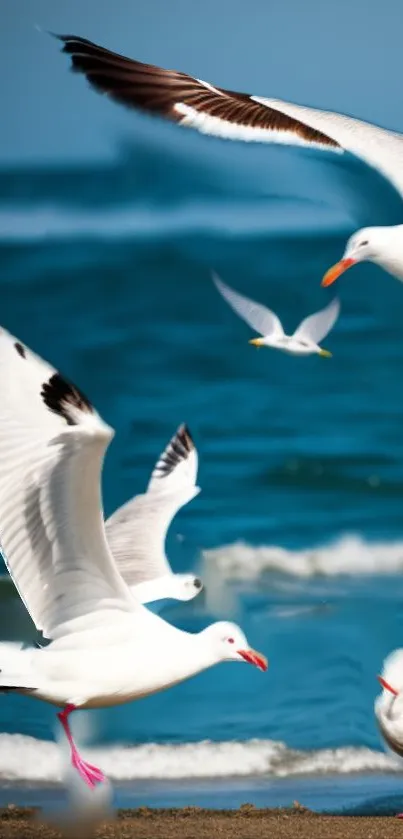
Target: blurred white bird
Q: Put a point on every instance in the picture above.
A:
(306, 338)
(389, 705)
(136, 532)
(213, 110)
(106, 648)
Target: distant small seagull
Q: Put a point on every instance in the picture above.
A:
(105, 648)
(389, 705)
(231, 115)
(136, 532)
(304, 341)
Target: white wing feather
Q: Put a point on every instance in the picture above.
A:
(137, 531)
(52, 445)
(380, 148)
(259, 317)
(318, 325)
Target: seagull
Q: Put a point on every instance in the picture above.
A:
(306, 338)
(389, 705)
(105, 648)
(136, 532)
(230, 115)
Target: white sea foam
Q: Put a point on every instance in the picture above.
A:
(53, 222)
(27, 760)
(349, 555)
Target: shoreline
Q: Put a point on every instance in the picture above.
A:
(248, 822)
(353, 795)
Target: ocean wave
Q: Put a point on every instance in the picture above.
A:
(24, 759)
(349, 555)
(245, 219)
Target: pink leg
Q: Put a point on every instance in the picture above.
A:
(90, 774)
(399, 815)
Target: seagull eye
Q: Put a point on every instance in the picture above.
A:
(364, 243)
(231, 640)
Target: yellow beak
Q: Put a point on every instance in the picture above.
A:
(257, 342)
(334, 272)
(325, 353)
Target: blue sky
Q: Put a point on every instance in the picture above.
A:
(344, 56)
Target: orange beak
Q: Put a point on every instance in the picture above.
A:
(387, 686)
(334, 272)
(253, 657)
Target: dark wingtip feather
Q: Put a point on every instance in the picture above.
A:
(65, 399)
(162, 92)
(51, 34)
(179, 448)
(184, 436)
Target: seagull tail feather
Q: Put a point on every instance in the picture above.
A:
(15, 668)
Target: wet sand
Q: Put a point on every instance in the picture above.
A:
(196, 823)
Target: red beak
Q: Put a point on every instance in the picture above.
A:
(252, 657)
(387, 686)
(335, 271)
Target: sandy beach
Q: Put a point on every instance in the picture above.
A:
(194, 823)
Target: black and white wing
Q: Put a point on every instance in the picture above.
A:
(52, 536)
(225, 113)
(176, 468)
(137, 531)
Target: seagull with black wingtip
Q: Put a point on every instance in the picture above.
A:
(216, 111)
(105, 648)
(136, 532)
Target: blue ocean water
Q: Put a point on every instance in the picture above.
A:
(106, 273)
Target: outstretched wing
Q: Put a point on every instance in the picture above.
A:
(259, 317)
(136, 532)
(318, 325)
(52, 445)
(225, 113)
(176, 467)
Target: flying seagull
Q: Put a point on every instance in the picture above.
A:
(225, 113)
(136, 532)
(105, 648)
(306, 338)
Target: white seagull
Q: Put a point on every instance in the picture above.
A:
(306, 338)
(389, 705)
(224, 113)
(136, 532)
(106, 648)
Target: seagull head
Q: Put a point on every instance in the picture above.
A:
(370, 244)
(268, 341)
(187, 586)
(230, 644)
(258, 342)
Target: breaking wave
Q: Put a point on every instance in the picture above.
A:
(25, 759)
(349, 555)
